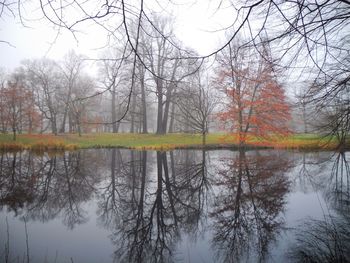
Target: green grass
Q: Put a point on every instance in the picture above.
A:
(144, 141)
(156, 142)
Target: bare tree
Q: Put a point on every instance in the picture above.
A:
(80, 108)
(142, 82)
(114, 71)
(331, 100)
(196, 103)
(44, 76)
(71, 68)
(157, 51)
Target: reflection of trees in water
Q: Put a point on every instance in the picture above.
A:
(190, 179)
(313, 173)
(113, 189)
(43, 187)
(251, 195)
(324, 240)
(338, 192)
(328, 174)
(145, 211)
(327, 240)
(15, 182)
(147, 199)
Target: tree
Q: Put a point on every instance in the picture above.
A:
(115, 77)
(162, 58)
(256, 101)
(157, 52)
(16, 107)
(45, 77)
(71, 70)
(3, 120)
(331, 102)
(195, 103)
(80, 108)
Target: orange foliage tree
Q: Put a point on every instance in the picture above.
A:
(255, 100)
(17, 108)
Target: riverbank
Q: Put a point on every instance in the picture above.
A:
(44, 142)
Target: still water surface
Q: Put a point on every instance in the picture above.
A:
(111, 205)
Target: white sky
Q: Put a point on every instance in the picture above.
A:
(195, 23)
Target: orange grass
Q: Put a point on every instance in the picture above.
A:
(293, 141)
(37, 142)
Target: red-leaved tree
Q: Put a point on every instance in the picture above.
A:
(17, 108)
(256, 104)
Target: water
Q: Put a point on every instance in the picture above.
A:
(111, 205)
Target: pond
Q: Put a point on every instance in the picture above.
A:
(113, 205)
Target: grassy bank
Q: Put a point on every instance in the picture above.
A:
(156, 142)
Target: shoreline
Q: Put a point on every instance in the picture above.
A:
(71, 142)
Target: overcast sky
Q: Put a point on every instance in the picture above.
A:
(194, 26)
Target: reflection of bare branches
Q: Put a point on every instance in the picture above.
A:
(327, 240)
(64, 190)
(310, 166)
(339, 184)
(335, 185)
(15, 183)
(151, 210)
(323, 241)
(27, 238)
(252, 190)
(147, 228)
(43, 187)
(109, 207)
(7, 244)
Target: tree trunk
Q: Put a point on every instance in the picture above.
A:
(172, 118)
(166, 112)
(304, 118)
(41, 123)
(79, 128)
(114, 114)
(166, 109)
(66, 109)
(63, 126)
(144, 107)
(132, 112)
(160, 108)
(70, 122)
(54, 125)
(14, 134)
(30, 124)
(20, 119)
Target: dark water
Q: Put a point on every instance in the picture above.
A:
(180, 206)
